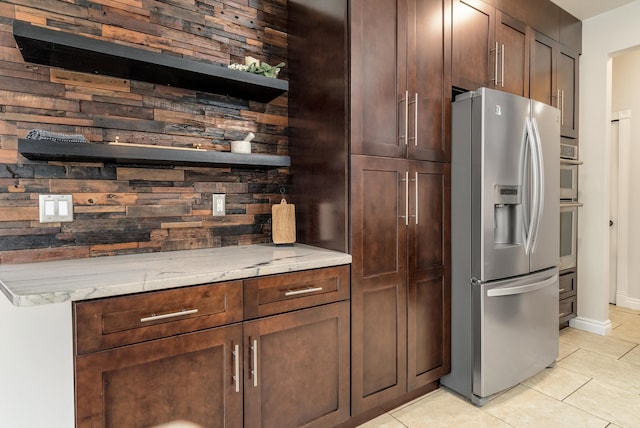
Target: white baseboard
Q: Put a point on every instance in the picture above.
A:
(627, 302)
(592, 326)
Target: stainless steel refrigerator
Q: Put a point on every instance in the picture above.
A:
(505, 241)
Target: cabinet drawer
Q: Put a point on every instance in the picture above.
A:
(567, 285)
(567, 309)
(282, 293)
(117, 321)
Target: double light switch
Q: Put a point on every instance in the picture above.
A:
(56, 208)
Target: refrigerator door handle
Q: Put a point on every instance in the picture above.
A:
(540, 202)
(530, 141)
(521, 289)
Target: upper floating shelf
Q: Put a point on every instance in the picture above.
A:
(145, 155)
(66, 50)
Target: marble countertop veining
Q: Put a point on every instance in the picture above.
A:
(41, 283)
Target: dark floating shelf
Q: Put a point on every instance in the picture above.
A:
(66, 50)
(149, 155)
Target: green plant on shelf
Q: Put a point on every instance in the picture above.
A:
(262, 69)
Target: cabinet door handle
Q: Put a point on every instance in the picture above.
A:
(254, 357)
(415, 125)
(406, 118)
(502, 65)
(236, 367)
(180, 313)
(306, 290)
(562, 107)
(406, 198)
(495, 65)
(417, 198)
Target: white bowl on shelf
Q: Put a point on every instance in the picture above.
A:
(243, 147)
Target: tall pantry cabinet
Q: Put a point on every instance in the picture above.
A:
(369, 122)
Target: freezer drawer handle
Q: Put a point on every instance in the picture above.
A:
(521, 289)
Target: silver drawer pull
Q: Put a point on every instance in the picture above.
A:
(305, 291)
(561, 290)
(254, 372)
(236, 367)
(561, 315)
(170, 315)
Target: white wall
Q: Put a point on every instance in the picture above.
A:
(602, 37)
(625, 90)
(36, 366)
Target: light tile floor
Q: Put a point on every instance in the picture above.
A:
(595, 383)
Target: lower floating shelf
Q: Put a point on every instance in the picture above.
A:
(146, 155)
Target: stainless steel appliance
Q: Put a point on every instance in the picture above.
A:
(568, 234)
(505, 246)
(569, 172)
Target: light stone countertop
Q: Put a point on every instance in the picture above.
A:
(41, 283)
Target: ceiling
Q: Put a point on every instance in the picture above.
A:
(585, 9)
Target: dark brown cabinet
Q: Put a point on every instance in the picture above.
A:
(568, 297)
(543, 70)
(370, 174)
(554, 80)
(567, 78)
(156, 357)
(490, 49)
(297, 373)
(185, 354)
(181, 378)
(400, 277)
(398, 101)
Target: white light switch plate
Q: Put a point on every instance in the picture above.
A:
(56, 208)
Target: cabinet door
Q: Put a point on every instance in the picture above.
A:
(379, 105)
(568, 88)
(429, 286)
(473, 45)
(297, 368)
(513, 55)
(378, 280)
(428, 99)
(542, 72)
(189, 377)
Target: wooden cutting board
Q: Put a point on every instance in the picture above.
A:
(283, 220)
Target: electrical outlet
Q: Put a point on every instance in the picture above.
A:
(219, 204)
(55, 208)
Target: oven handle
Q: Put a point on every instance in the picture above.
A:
(571, 204)
(570, 162)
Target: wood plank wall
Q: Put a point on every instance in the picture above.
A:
(118, 209)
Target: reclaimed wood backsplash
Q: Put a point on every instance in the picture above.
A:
(131, 209)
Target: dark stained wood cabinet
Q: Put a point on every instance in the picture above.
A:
(428, 276)
(568, 78)
(543, 70)
(513, 55)
(400, 277)
(157, 357)
(379, 204)
(181, 378)
(490, 49)
(568, 297)
(554, 80)
(473, 44)
(297, 373)
(359, 141)
(398, 101)
(186, 355)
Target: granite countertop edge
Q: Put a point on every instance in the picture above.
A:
(40, 283)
